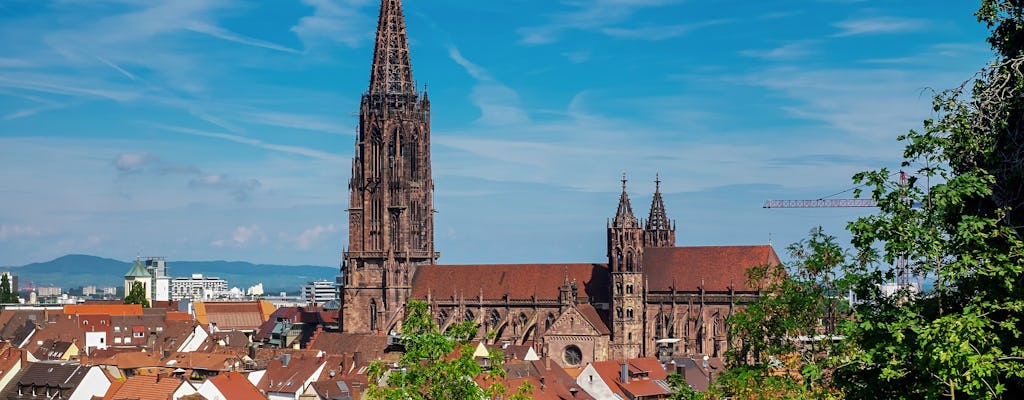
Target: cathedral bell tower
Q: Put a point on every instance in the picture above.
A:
(391, 205)
(625, 259)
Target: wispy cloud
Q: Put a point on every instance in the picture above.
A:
(295, 150)
(144, 162)
(225, 34)
(660, 32)
(878, 26)
(787, 51)
(18, 231)
(341, 21)
(498, 104)
(307, 122)
(242, 236)
(311, 236)
(595, 15)
(241, 190)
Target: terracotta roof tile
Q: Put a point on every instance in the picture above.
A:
(716, 267)
(104, 309)
(370, 347)
(288, 372)
(644, 377)
(141, 387)
(235, 386)
(519, 281)
(590, 313)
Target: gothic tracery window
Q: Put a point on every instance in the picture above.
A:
(549, 321)
(469, 315)
(572, 355)
(495, 318)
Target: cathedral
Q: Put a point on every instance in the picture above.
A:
(648, 298)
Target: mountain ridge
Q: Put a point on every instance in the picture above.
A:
(75, 270)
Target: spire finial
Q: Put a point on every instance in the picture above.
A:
(624, 181)
(657, 182)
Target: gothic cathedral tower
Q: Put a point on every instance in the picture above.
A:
(625, 259)
(391, 209)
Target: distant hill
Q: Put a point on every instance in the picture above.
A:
(76, 270)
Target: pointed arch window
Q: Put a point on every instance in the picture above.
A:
(618, 259)
(629, 261)
(522, 319)
(618, 312)
(442, 317)
(494, 318)
(618, 288)
(629, 313)
(549, 321)
(373, 315)
(469, 315)
(629, 289)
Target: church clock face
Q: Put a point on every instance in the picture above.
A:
(573, 355)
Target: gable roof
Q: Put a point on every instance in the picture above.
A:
(646, 377)
(289, 372)
(137, 271)
(62, 375)
(103, 309)
(234, 315)
(571, 321)
(518, 281)
(717, 268)
(235, 386)
(145, 387)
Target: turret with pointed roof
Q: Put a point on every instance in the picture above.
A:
(659, 230)
(137, 271)
(391, 205)
(624, 217)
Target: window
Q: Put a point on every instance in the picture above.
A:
(618, 288)
(629, 289)
(137, 334)
(629, 313)
(85, 322)
(117, 329)
(117, 340)
(373, 315)
(618, 312)
(572, 355)
(103, 322)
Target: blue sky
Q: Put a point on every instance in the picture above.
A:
(223, 129)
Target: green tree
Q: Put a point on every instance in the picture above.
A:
(7, 295)
(137, 295)
(962, 338)
(435, 365)
(781, 341)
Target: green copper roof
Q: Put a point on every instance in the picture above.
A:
(137, 271)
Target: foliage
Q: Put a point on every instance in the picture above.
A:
(435, 365)
(137, 295)
(780, 341)
(963, 337)
(681, 390)
(7, 294)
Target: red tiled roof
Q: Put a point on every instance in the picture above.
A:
(716, 267)
(643, 374)
(590, 313)
(289, 378)
(235, 386)
(141, 387)
(519, 281)
(370, 347)
(104, 309)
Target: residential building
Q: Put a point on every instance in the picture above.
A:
(198, 287)
(49, 291)
(13, 278)
(320, 292)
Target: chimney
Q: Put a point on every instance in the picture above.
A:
(357, 357)
(624, 374)
(284, 360)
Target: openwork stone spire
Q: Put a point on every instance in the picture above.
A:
(392, 71)
(624, 217)
(659, 230)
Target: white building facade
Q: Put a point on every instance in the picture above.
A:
(198, 287)
(320, 292)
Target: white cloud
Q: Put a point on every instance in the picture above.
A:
(787, 51)
(309, 237)
(660, 32)
(296, 150)
(225, 34)
(18, 231)
(242, 236)
(878, 25)
(334, 21)
(498, 104)
(588, 15)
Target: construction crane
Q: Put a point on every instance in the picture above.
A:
(903, 272)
